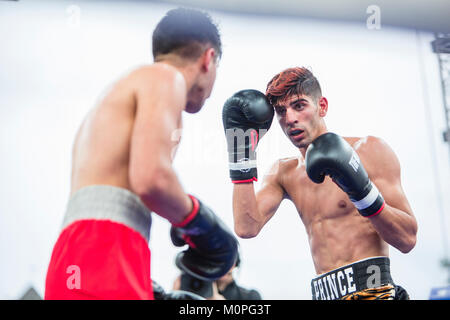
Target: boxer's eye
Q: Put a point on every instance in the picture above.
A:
(299, 106)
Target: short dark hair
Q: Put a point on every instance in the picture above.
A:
(298, 80)
(185, 32)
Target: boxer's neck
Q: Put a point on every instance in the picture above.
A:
(188, 68)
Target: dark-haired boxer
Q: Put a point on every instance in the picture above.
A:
(122, 170)
(347, 191)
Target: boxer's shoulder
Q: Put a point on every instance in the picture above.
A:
(370, 146)
(286, 166)
(365, 143)
(158, 75)
(159, 84)
(290, 162)
(376, 154)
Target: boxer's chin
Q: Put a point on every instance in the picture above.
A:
(192, 107)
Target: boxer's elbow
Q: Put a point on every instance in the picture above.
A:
(245, 234)
(245, 231)
(407, 241)
(150, 183)
(410, 239)
(408, 244)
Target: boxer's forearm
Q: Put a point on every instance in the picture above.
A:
(245, 210)
(396, 227)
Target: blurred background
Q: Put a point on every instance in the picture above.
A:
(375, 62)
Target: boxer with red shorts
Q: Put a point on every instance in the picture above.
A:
(122, 171)
(346, 190)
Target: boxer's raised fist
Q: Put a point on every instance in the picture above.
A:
(246, 116)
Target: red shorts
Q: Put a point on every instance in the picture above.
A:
(102, 251)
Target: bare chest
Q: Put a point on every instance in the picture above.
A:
(316, 201)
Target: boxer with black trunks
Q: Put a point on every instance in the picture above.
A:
(122, 170)
(347, 191)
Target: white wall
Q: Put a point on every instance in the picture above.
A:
(54, 67)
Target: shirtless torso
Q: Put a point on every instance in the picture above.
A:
(354, 217)
(128, 140)
(122, 171)
(109, 127)
(337, 233)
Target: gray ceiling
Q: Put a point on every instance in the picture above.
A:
(431, 15)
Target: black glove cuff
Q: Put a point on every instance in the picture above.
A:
(372, 203)
(244, 175)
(373, 209)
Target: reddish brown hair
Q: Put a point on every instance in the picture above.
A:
(298, 80)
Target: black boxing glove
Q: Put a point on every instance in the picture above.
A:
(160, 294)
(329, 154)
(212, 248)
(158, 291)
(246, 116)
(182, 295)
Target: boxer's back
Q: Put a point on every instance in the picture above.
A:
(100, 153)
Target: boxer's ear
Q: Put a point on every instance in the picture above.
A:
(208, 59)
(323, 106)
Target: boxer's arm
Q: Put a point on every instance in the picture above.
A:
(252, 211)
(396, 223)
(158, 113)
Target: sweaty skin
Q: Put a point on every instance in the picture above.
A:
(338, 235)
(128, 139)
(108, 128)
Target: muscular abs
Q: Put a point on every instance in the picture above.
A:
(337, 233)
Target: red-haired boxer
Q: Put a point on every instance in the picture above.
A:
(347, 191)
(122, 170)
